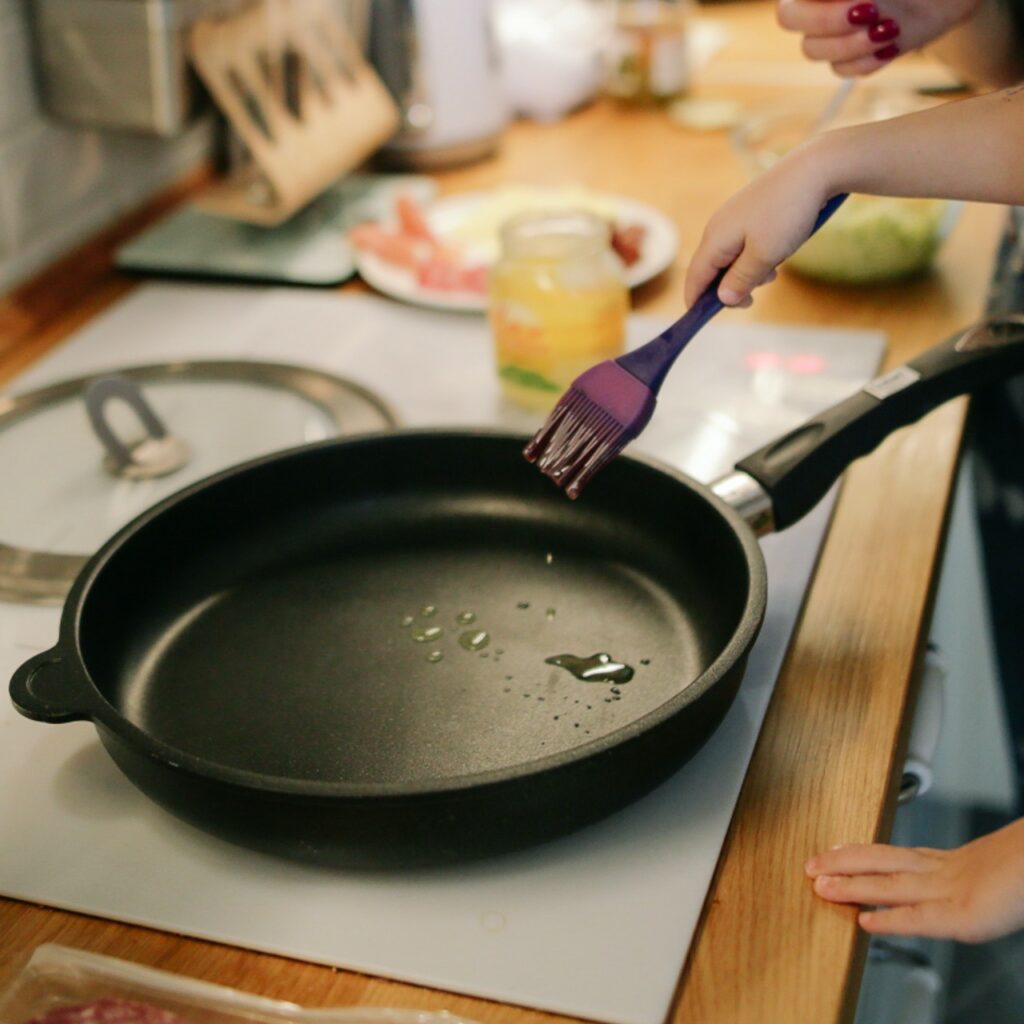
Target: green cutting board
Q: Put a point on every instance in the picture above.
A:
(308, 249)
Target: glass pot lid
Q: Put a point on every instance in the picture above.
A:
(67, 489)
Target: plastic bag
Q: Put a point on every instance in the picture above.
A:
(69, 986)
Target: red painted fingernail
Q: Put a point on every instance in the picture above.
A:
(862, 14)
(887, 52)
(885, 30)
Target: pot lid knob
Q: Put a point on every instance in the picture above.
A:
(157, 454)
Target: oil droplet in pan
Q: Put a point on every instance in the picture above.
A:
(474, 639)
(424, 634)
(435, 656)
(465, 618)
(550, 615)
(407, 620)
(428, 610)
(598, 668)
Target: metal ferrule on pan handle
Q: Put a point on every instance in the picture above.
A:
(746, 496)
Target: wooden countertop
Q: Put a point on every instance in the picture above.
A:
(827, 763)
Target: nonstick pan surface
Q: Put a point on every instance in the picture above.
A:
(249, 649)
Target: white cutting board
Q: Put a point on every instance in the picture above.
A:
(596, 925)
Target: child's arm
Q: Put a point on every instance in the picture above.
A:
(972, 150)
(973, 893)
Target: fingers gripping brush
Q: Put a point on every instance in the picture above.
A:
(609, 405)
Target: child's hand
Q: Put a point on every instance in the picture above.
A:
(973, 893)
(857, 36)
(761, 225)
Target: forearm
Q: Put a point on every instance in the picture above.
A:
(971, 149)
(988, 48)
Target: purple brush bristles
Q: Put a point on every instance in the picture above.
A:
(603, 411)
(609, 404)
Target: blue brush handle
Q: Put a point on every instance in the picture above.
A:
(651, 362)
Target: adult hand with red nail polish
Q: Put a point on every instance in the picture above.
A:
(858, 37)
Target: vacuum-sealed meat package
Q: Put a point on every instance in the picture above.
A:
(60, 985)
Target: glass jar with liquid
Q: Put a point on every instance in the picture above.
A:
(648, 57)
(558, 304)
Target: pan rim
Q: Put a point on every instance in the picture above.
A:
(105, 714)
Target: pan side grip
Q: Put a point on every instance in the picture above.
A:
(48, 689)
(797, 469)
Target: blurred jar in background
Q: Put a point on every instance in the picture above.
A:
(558, 304)
(648, 58)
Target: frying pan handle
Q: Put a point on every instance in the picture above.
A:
(48, 689)
(797, 470)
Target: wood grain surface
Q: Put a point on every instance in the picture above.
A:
(828, 759)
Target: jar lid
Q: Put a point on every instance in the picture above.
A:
(555, 235)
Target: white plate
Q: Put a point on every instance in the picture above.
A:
(661, 242)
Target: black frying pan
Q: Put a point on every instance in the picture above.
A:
(245, 652)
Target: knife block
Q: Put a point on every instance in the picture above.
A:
(298, 92)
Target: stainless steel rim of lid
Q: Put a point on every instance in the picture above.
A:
(42, 577)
